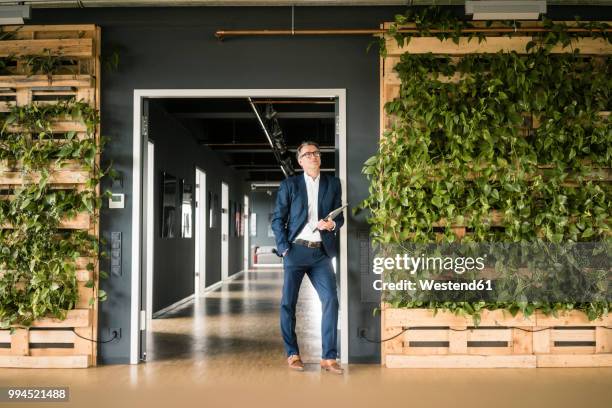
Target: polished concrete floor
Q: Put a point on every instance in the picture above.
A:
(224, 349)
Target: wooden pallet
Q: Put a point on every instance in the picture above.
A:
(444, 340)
(49, 342)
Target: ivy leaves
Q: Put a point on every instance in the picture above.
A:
(37, 257)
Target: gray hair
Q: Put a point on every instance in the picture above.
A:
(304, 144)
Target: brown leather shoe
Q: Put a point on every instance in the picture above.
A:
(295, 363)
(332, 366)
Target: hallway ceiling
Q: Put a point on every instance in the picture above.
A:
(170, 3)
(230, 128)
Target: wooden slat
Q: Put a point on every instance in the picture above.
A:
(82, 346)
(603, 340)
(22, 29)
(24, 81)
(426, 45)
(522, 342)
(573, 318)
(5, 336)
(572, 335)
(80, 47)
(541, 341)
(573, 350)
(460, 361)
(80, 222)
(457, 339)
(82, 262)
(44, 361)
(489, 335)
(19, 342)
(426, 335)
(490, 351)
(84, 295)
(426, 318)
(41, 352)
(60, 126)
(56, 177)
(576, 360)
(51, 336)
(423, 351)
(74, 318)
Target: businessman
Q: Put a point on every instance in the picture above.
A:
(307, 243)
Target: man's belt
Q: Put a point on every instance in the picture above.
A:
(309, 244)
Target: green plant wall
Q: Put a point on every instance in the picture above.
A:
(37, 257)
(518, 135)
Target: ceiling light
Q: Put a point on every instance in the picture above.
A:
(14, 14)
(505, 10)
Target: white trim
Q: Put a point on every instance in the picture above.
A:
(150, 230)
(258, 265)
(173, 306)
(139, 94)
(211, 288)
(234, 276)
(225, 229)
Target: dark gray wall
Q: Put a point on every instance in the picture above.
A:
(177, 153)
(176, 48)
(262, 204)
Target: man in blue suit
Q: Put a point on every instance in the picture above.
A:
(307, 244)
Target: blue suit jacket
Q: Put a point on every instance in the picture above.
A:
(291, 212)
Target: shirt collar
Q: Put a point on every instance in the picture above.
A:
(310, 179)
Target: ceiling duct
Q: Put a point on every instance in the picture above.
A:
(505, 10)
(14, 14)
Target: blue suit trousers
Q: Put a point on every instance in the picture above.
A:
(300, 261)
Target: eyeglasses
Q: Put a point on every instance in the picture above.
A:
(311, 154)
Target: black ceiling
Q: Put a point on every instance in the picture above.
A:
(229, 126)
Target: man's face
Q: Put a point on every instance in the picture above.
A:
(310, 159)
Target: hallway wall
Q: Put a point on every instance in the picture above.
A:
(177, 153)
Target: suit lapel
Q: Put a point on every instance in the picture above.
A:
(303, 193)
(322, 191)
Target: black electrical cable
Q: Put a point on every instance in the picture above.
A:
(405, 329)
(96, 341)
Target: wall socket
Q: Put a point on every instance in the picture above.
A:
(362, 332)
(113, 330)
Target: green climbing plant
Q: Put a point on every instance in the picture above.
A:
(461, 150)
(37, 257)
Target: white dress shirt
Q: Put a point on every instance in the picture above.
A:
(312, 187)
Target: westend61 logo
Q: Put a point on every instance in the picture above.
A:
(412, 264)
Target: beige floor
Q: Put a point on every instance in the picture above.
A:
(225, 350)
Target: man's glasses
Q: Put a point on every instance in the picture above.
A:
(311, 154)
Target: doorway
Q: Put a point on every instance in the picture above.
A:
(139, 212)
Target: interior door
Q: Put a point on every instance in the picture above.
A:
(224, 231)
(200, 232)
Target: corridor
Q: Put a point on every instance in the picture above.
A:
(237, 324)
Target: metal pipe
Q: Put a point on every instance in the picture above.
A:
(245, 33)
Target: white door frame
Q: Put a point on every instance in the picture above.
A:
(150, 228)
(137, 210)
(225, 230)
(201, 227)
(245, 230)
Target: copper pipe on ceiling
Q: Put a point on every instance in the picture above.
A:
(248, 33)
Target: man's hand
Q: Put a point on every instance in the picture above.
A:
(329, 225)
